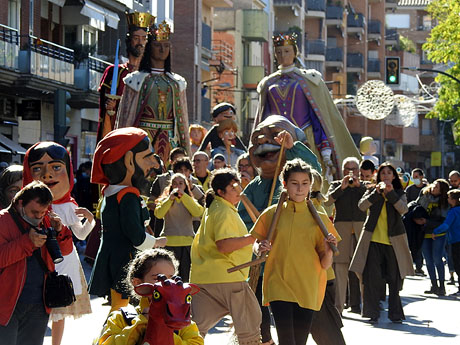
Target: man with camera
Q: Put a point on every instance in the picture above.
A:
(23, 315)
(348, 221)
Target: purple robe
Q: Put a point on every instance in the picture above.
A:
(285, 97)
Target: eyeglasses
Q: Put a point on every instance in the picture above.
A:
(352, 169)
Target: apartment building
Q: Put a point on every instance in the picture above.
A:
(241, 44)
(52, 56)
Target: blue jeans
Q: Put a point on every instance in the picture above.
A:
(433, 251)
(27, 325)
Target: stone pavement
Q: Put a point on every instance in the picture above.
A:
(429, 320)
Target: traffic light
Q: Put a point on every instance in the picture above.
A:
(61, 108)
(392, 70)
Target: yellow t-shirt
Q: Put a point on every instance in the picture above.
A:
(380, 234)
(293, 271)
(209, 266)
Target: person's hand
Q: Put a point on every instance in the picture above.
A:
(261, 247)
(84, 213)
(356, 182)
(433, 237)
(37, 239)
(245, 178)
(160, 242)
(345, 182)
(110, 104)
(380, 187)
(388, 188)
(330, 239)
(420, 221)
(176, 193)
(55, 221)
(286, 137)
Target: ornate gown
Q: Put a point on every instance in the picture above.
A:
(156, 103)
(303, 98)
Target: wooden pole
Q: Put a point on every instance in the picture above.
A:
(277, 171)
(321, 225)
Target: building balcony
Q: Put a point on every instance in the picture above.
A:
(356, 24)
(89, 73)
(255, 25)
(391, 4)
(206, 39)
(334, 16)
(374, 31)
(334, 57)
(252, 75)
(9, 47)
(287, 3)
(47, 60)
(87, 78)
(391, 37)
(373, 68)
(315, 50)
(315, 8)
(355, 62)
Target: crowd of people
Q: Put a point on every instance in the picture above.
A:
(330, 230)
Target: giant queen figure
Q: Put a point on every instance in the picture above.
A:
(154, 98)
(303, 98)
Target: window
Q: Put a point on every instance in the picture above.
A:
(426, 127)
(89, 35)
(14, 8)
(398, 21)
(426, 23)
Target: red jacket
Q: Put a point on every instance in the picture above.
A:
(15, 247)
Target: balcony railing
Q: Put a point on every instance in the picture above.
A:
(373, 65)
(334, 54)
(355, 20)
(391, 35)
(315, 5)
(316, 47)
(89, 73)
(287, 3)
(47, 60)
(334, 12)
(9, 47)
(374, 27)
(355, 60)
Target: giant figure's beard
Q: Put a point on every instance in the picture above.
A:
(139, 180)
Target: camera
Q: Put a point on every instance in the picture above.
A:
(51, 244)
(350, 180)
(176, 194)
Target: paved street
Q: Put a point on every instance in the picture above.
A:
(429, 320)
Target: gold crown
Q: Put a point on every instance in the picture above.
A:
(285, 40)
(162, 32)
(140, 19)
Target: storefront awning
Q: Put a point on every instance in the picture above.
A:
(60, 3)
(11, 146)
(99, 15)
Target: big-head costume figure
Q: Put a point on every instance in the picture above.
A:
(302, 97)
(154, 98)
(264, 150)
(122, 162)
(139, 24)
(50, 163)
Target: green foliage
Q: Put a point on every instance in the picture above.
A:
(443, 46)
(406, 44)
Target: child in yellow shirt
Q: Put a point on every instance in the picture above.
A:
(127, 325)
(295, 277)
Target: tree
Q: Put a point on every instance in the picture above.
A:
(443, 46)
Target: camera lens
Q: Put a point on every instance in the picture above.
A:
(176, 194)
(52, 246)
